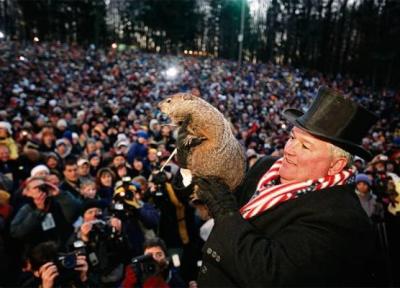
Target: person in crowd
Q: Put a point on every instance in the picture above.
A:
(50, 269)
(105, 242)
(8, 167)
(95, 163)
(177, 223)
(105, 180)
(7, 139)
(303, 199)
(139, 168)
(165, 274)
(139, 217)
(139, 148)
(63, 148)
(42, 218)
(71, 181)
(368, 199)
(121, 146)
(47, 140)
(84, 170)
(53, 162)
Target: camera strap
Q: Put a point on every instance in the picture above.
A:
(48, 222)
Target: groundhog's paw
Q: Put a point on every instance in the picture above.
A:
(191, 141)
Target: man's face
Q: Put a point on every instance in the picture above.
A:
(305, 157)
(4, 154)
(3, 133)
(84, 169)
(157, 253)
(118, 161)
(71, 173)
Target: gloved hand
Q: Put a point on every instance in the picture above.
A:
(216, 195)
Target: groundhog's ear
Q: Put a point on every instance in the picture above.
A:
(188, 96)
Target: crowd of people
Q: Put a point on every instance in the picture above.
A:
(82, 143)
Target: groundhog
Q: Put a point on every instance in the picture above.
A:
(213, 149)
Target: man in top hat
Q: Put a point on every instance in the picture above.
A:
(294, 220)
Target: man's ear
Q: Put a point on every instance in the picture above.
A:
(337, 165)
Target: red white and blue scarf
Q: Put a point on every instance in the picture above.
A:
(270, 193)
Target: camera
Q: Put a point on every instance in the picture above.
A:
(145, 266)
(66, 261)
(100, 231)
(45, 188)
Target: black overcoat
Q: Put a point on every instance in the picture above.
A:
(323, 238)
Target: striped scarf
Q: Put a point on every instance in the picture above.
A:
(270, 193)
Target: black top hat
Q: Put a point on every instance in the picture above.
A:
(335, 119)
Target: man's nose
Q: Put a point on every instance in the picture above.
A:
(290, 147)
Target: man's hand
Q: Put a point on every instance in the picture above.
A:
(216, 195)
(116, 223)
(48, 273)
(82, 267)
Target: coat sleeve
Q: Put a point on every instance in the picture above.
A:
(304, 250)
(149, 216)
(25, 221)
(70, 205)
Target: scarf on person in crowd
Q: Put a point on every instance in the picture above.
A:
(270, 192)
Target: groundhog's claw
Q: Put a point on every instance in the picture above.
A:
(191, 141)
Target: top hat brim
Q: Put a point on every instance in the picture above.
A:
(292, 115)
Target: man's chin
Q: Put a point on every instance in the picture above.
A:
(285, 175)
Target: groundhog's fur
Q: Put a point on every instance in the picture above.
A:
(219, 153)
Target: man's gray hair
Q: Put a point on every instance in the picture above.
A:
(339, 152)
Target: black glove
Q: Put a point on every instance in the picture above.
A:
(216, 195)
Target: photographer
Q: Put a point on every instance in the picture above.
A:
(177, 223)
(51, 268)
(41, 219)
(139, 217)
(105, 244)
(154, 271)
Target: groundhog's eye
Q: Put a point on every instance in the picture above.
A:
(169, 100)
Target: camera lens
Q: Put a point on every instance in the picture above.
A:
(68, 261)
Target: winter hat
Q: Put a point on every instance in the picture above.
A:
(61, 123)
(121, 142)
(6, 125)
(82, 161)
(68, 135)
(91, 203)
(142, 133)
(38, 169)
(61, 141)
(361, 177)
